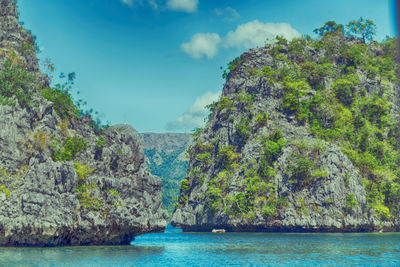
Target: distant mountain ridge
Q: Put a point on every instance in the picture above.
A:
(165, 157)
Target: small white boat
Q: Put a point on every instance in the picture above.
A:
(218, 231)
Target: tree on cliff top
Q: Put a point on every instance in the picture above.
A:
(330, 27)
(365, 28)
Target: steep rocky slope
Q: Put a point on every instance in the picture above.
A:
(63, 179)
(165, 157)
(304, 138)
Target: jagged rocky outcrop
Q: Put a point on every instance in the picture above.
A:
(62, 182)
(304, 138)
(165, 157)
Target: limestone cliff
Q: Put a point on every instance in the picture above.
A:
(64, 181)
(304, 138)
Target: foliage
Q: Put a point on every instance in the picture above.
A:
(82, 170)
(261, 119)
(243, 131)
(351, 203)
(365, 28)
(72, 147)
(329, 28)
(228, 158)
(100, 143)
(234, 64)
(84, 189)
(342, 88)
(4, 190)
(301, 169)
(292, 101)
(15, 82)
(171, 171)
(245, 100)
(184, 185)
(62, 101)
(225, 104)
(273, 145)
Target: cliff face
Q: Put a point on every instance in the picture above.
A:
(62, 181)
(165, 157)
(304, 138)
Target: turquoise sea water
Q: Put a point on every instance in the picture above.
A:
(174, 248)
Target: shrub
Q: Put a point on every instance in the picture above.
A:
(184, 185)
(262, 119)
(300, 169)
(234, 64)
(82, 171)
(225, 104)
(204, 158)
(344, 89)
(273, 145)
(72, 147)
(101, 142)
(62, 102)
(269, 209)
(294, 91)
(351, 203)
(85, 190)
(243, 131)
(214, 198)
(4, 190)
(228, 158)
(15, 82)
(245, 100)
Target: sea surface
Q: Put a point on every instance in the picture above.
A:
(174, 248)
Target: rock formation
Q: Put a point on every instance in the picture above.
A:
(304, 138)
(64, 180)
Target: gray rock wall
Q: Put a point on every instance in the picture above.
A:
(331, 198)
(103, 195)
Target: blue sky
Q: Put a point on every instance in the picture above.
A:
(154, 64)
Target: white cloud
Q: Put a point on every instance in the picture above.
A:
(134, 3)
(153, 4)
(255, 33)
(228, 14)
(128, 2)
(194, 117)
(202, 45)
(189, 6)
(248, 35)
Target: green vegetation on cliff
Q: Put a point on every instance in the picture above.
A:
(342, 88)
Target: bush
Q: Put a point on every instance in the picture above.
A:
(351, 203)
(262, 120)
(234, 64)
(15, 82)
(62, 102)
(273, 145)
(225, 104)
(72, 147)
(85, 190)
(245, 100)
(184, 185)
(344, 89)
(228, 158)
(243, 131)
(82, 171)
(294, 91)
(300, 169)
